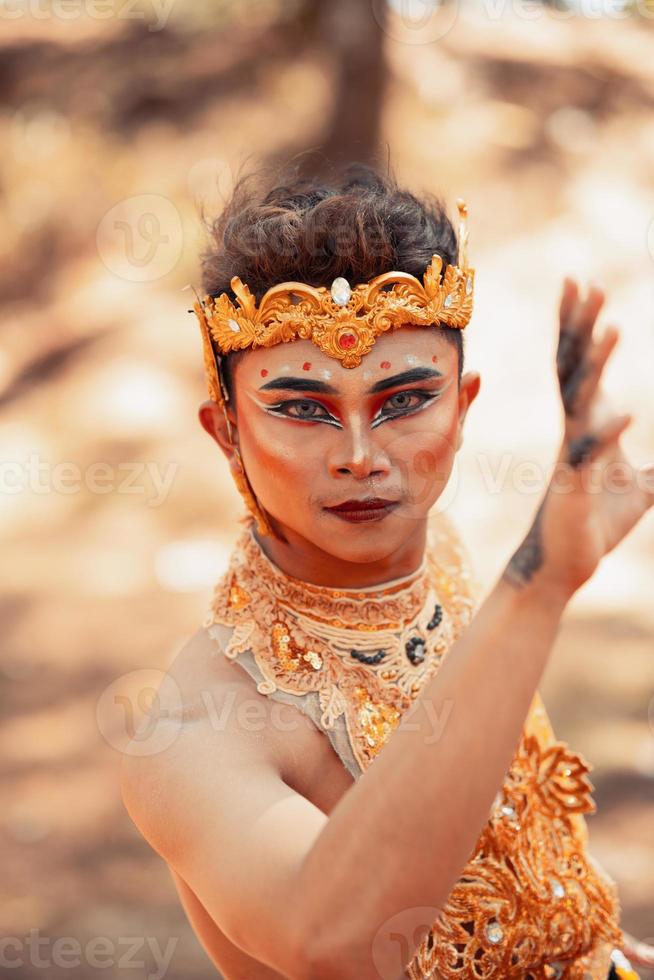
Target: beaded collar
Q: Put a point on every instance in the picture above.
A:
(366, 652)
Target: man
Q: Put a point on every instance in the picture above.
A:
(332, 332)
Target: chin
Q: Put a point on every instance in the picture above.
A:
(362, 543)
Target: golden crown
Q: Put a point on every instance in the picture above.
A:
(342, 321)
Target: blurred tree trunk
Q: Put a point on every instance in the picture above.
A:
(350, 35)
(355, 36)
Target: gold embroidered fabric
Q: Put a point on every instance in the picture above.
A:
(531, 903)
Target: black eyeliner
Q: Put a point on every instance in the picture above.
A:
(427, 396)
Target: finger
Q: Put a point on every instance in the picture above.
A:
(575, 337)
(568, 299)
(590, 445)
(575, 329)
(579, 389)
(569, 364)
(587, 310)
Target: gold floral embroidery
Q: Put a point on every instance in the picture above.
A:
(530, 903)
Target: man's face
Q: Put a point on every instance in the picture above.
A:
(313, 435)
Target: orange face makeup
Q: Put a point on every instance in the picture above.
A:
(309, 444)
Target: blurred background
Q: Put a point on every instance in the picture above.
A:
(118, 120)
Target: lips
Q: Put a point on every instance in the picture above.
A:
(370, 503)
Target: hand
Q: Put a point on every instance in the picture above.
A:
(595, 496)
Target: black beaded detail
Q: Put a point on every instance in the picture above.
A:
(415, 650)
(437, 617)
(368, 658)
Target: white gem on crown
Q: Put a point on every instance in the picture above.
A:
(233, 325)
(341, 291)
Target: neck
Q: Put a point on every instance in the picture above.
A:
(298, 557)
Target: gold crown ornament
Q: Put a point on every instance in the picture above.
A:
(342, 321)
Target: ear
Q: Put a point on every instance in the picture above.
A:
(212, 419)
(468, 391)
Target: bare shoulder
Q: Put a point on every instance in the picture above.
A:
(210, 729)
(209, 798)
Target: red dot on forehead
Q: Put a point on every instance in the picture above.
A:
(435, 358)
(306, 366)
(385, 364)
(263, 372)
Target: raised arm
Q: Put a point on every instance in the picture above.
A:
(399, 839)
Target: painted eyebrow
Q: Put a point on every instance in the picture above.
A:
(308, 384)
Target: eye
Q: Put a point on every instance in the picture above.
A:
(403, 401)
(306, 409)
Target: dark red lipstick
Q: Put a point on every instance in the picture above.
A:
(368, 509)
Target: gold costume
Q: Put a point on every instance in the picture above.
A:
(531, 902)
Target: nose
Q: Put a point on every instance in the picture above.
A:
(356, 453)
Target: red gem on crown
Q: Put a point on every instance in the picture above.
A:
(347, 340)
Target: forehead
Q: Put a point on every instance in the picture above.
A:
(394, 351)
